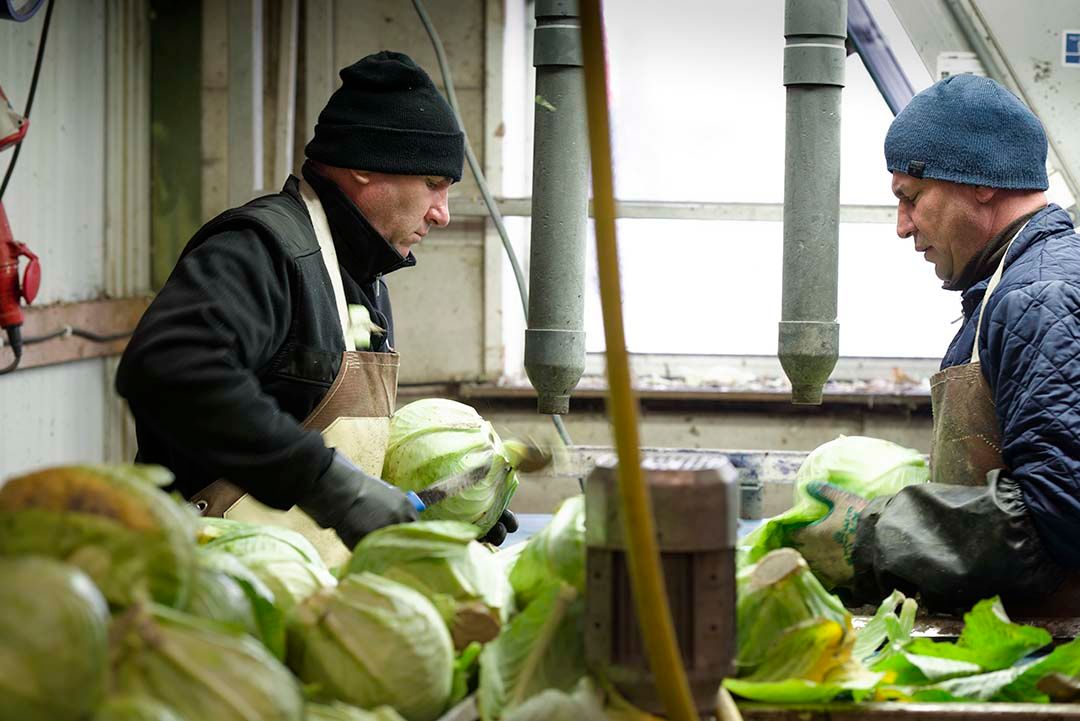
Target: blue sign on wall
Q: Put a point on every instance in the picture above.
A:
(1071, 53)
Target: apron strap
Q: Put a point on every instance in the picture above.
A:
(990, 288)
(329, 257)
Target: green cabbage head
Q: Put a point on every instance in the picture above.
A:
(434, 438)
(867, 467)
(53, 641)
(112, 521)
(282, 559)
(773, 595)
(201, 669)
(373, 642)
(443, 561)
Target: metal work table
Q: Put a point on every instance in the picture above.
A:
(911, 712)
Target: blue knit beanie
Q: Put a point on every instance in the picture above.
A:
(969, 129)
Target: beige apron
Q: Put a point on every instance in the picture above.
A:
(967, 442)
(353, 416)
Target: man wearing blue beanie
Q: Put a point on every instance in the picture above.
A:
(264, 373)
(1001, 515)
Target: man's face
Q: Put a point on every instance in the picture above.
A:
(946, 220)
(402, 208)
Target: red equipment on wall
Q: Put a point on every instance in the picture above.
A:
(12, 130)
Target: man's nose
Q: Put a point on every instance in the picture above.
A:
(439, 213)
(904, 227)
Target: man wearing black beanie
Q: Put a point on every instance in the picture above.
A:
(248, 356)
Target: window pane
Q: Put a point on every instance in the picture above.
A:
(706, 287)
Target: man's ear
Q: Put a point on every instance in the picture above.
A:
(984, 194)
(360, 176)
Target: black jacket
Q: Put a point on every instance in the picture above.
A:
(243, 341)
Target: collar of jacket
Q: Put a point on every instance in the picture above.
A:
(1045, 223)
(362, 252)
(984, 264)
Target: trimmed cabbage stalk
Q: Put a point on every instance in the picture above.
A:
(53, 641)
(435, 438)
(114, 522)
(867, 467)
(135, 708)
(556, 552)
(776, 594)
(282, 559)
(443, 561)
(372, 642)
(201, 669)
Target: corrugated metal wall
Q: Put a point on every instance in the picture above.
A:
(56, 204)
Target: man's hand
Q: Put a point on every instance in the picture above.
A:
(506, 524)
(353, 503)
(827, 544)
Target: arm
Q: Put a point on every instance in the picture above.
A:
(189, 372)
(1033, 364)
(956, 544)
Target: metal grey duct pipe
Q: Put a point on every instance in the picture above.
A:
(555, 339)
(814, 57)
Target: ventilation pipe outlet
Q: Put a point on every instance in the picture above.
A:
(814, 55)
(555, 339)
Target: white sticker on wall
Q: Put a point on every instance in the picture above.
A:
(958, 62)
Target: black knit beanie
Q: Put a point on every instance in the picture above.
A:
(389, 117)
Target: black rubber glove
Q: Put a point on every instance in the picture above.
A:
(353, 503)
(506, 524)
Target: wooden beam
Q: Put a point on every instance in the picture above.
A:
(105, 317)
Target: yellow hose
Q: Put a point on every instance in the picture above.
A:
(646, 576)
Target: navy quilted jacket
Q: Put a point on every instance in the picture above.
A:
(1030, 352)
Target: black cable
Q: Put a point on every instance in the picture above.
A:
(79, 333)
(11, 366)
(32, 339)
(33, 92)
(14, 334)
(98, 338)
(17, 343)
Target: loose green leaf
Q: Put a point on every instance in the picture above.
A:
(1064, 659)
(877, 630)
(989, 639)
(541, 648)
(557, 551)
(466, 670)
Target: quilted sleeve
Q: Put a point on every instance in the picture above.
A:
(1031, 358)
